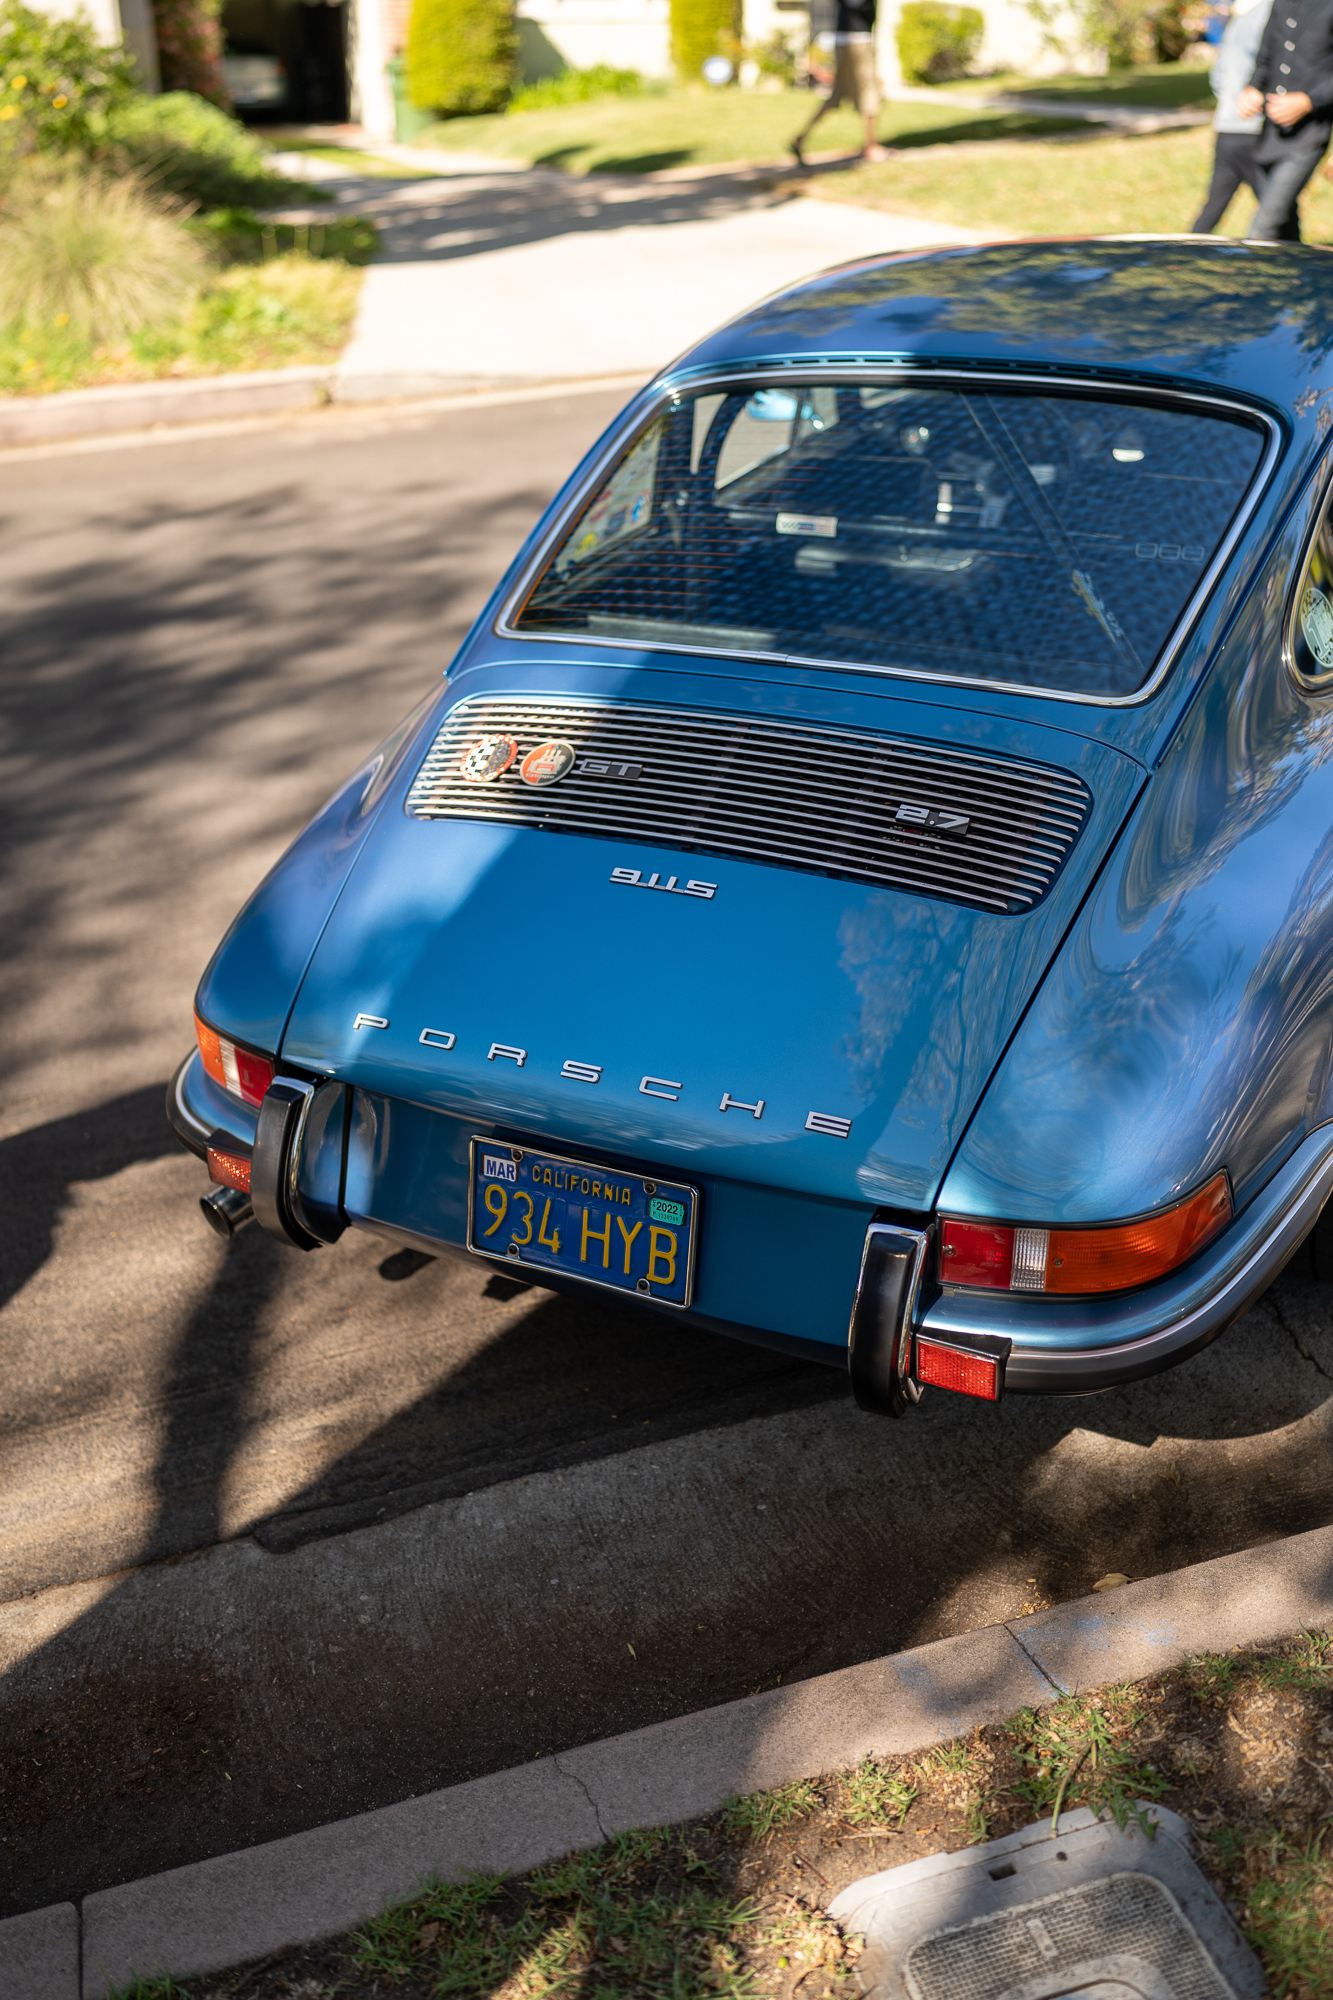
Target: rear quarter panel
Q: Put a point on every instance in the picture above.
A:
(1185, 1026)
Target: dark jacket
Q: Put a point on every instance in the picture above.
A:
(1296, 53)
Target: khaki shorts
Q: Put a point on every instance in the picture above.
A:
(854, 80)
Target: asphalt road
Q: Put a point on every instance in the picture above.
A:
(283, 1537)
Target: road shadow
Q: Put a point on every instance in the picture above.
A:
(568, 1382)
(38, 1167)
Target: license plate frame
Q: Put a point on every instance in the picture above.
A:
(547, 1178)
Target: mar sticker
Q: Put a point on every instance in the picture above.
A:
(494, 1169)
(1317, 625)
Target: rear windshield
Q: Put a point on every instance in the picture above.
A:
(1049, 540)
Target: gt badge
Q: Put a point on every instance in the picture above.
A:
(486, 759)
(548, 763)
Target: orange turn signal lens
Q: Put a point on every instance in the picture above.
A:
(238, 1070)
(1106, 1259)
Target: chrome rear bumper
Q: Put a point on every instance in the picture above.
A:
(1075, 1346)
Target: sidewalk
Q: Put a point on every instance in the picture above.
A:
(492, 276)
(236, 1907)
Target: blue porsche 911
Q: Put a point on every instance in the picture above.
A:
(865, 884)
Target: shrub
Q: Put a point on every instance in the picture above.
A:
(55, 78)
(776, 58)
(189, 48)
(100, 256)
(576, 86)
(937, 41)
(703, 28)
(1126, 32)
(460, 55)
(191, 149)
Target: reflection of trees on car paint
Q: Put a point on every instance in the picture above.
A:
(1203, 962)
(1119, 302)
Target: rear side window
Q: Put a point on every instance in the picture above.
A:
(1312, 620)
(1049, 540)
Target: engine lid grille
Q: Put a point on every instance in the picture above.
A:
(983, 830)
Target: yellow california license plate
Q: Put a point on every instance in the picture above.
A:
(624, 1232)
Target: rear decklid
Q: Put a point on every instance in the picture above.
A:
(707, 910)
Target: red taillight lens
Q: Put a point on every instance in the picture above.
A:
(953, 1368)
(1081, 1261)
(976, 1253)
(244, 1074)
(232, 1169)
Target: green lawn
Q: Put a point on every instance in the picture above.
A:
(1164, 86)
(681, 128)
(346, 157)
(1090, 186)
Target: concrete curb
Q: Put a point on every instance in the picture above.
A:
(127, 406)
(71, 415)
(218, 1913)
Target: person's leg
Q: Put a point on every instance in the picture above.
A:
(828, 103)
(865, 81)
(1232, 167)
(1277, 219)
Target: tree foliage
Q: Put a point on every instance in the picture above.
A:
(56, 78)
(460, 55)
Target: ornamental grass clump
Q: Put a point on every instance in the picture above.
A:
(99, 257)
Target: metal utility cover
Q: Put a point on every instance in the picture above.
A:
(1096, 1914)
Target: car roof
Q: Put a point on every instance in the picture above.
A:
(1254, 319)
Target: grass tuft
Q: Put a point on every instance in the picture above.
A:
(1076, 1753)
(761, 1813)
(98, 256)
(875, 1795)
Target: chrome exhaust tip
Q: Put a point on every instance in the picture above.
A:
(226, 1210)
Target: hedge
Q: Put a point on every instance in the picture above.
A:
(460, 55)
(937, 41)
(703, 28)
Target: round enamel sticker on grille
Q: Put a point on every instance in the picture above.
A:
(548, 763)
(1317, 625)
(486, 759)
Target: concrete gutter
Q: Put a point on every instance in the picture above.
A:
(235, 1907)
